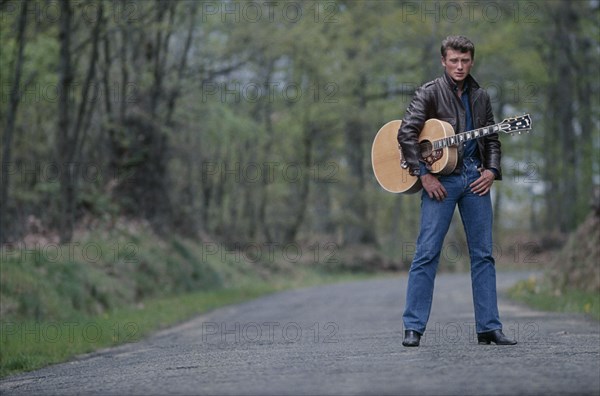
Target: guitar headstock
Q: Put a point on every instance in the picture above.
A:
(516, 124)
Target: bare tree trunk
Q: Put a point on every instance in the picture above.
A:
(302, 196)
(70, 136)
(176, 91)
(265, 112)
(65, 72)
(561, 158)
(84, 112)
(15, 94)
(262, 225)
(358, 229)
(161, 45)
(565, 117)
(125, 40)
(588, 153)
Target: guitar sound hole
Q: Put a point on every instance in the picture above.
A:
(426, 148)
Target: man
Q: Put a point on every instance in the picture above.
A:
(456, 98)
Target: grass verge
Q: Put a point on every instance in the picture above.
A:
(29, 345)
(540, 295)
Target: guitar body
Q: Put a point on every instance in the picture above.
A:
(386, 157)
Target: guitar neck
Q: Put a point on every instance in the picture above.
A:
(465, 136)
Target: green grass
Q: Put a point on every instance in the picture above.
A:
(540, 295)
(28, 345)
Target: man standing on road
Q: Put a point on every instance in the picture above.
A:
(457, 99)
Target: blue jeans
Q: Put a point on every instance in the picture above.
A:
(477, 216)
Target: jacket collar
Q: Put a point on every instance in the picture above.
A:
(469, 82)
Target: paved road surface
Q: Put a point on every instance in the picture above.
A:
(341, 339)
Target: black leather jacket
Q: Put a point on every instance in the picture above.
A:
(438, 99)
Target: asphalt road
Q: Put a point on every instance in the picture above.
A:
(341, 339)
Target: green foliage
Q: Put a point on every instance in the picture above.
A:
(306, 89)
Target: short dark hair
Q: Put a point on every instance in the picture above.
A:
(457, 43)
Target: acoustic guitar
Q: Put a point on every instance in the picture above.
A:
(439, 149)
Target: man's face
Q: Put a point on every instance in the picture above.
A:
(457, 64)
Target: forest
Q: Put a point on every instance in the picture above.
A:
(251, 123)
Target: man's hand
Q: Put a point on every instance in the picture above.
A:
(483, 185)
(434, 188)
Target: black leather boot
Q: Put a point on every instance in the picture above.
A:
(495, 336)
(411, 338)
